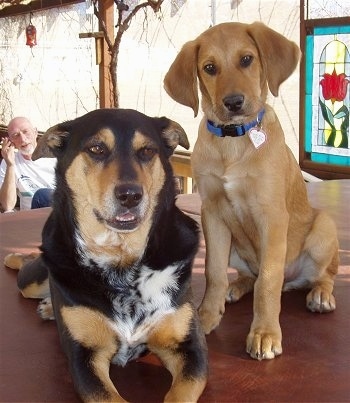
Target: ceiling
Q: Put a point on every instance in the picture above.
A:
(14, 7)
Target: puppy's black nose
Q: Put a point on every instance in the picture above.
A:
(129, 195)
(234, 102)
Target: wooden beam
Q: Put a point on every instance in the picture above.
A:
(84, 35)
(98, 43)
(106, 9)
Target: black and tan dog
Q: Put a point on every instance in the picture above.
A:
(118, 253)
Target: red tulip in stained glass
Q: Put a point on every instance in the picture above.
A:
(334, 86)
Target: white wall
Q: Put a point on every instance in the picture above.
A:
(58, 79)
(145, 57)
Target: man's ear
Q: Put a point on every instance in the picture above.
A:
(173, 135)
(51, 143)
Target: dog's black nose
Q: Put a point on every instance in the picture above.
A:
(234, 102)
(129, 195)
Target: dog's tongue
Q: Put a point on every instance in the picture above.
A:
(125, 217)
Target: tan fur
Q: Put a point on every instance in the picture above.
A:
(36, 290)
(173, 328)
(16, 261)
(163, 341)
(92, 186)
(94, 331)
(184, 387)
(254, 202)
(181, 388)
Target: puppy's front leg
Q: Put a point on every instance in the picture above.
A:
(90, 344)
(218, 244)
(264, 340)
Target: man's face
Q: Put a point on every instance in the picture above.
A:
(23, 135)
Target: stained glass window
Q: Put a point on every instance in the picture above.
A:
(328, 95)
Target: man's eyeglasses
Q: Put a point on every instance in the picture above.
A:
(25, 132)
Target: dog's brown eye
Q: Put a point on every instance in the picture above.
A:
(246, 61)
(97, 149)
(210, 69)
(146, 153)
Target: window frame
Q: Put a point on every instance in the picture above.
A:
(319, 169)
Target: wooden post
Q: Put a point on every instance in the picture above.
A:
(106, 9)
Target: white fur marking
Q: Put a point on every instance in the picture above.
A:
(140, 310)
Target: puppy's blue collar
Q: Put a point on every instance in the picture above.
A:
(234, 130)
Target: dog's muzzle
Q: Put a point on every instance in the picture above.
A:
(128, 212)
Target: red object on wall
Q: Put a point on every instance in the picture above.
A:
(31, 35)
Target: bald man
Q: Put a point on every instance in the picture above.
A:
(19, 175)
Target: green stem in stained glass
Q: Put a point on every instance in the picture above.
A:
(327, 114)
(342, 113)
(330, 141)
(344, 128)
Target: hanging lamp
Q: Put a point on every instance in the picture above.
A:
(31, 33)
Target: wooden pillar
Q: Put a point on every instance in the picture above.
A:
(106, 8)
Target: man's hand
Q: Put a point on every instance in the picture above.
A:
(8, 152)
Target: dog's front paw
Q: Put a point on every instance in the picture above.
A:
(16, 261)
(264, 345)
(45, 309)
(210, 318)
(320, 300)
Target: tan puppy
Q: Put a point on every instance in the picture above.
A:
(255, 211)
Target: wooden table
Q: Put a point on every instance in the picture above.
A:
(314, 366)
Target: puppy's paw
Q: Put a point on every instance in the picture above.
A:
(239, 287)
(320, 300)
(45, 309)
(264, 345)
(233, 293)
(210, 318)
(16, 261)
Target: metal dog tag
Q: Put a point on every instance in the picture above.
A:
(257, 136)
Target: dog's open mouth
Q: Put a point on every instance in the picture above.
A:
(125, 221)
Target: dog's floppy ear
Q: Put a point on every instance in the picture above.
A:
(51, 143)
(279, 55)
(173, 135)
(181, 82)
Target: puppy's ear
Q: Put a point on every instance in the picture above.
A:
(278, 54)
(173, 135)
(180, 82)
(52, 143)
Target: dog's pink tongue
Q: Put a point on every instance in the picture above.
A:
(126, 217)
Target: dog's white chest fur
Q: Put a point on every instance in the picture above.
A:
(143, 299)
